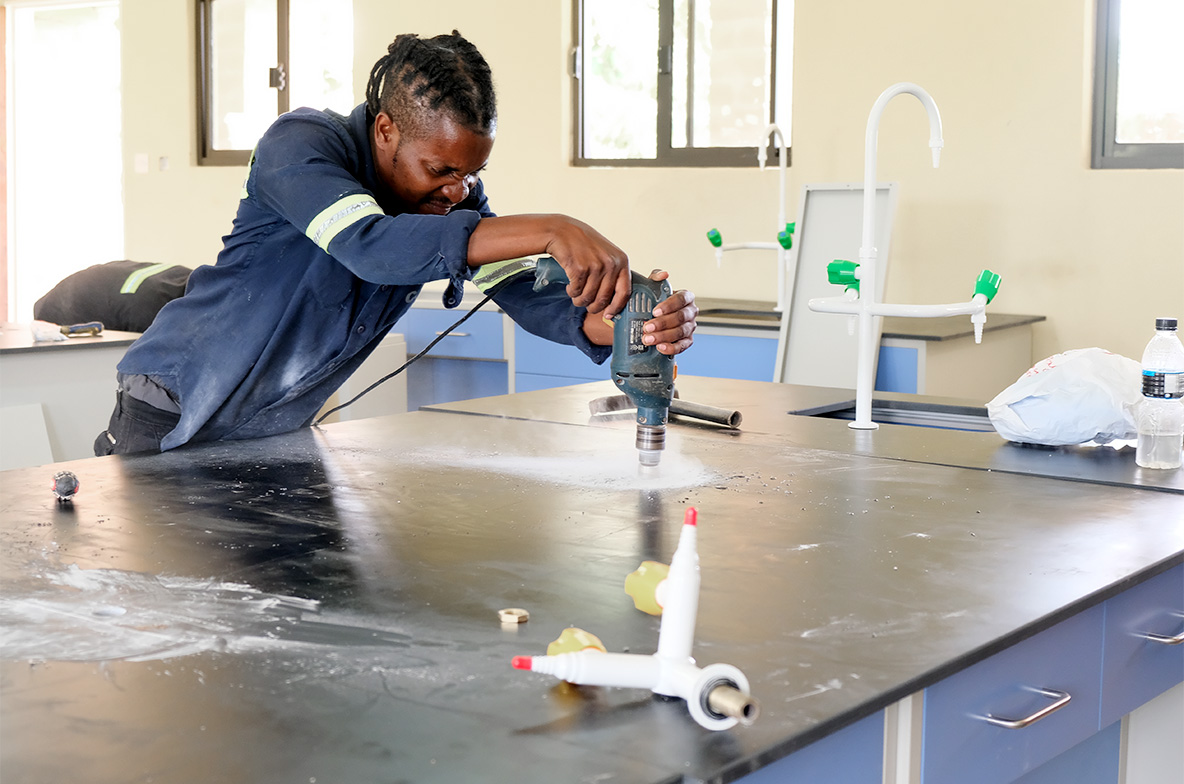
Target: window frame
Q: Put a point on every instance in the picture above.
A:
(667, 155)
(207, 155)
(1106, 151)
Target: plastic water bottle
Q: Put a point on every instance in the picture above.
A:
(1161, 414)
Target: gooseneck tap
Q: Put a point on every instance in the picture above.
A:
(773, 134)
(852, 276)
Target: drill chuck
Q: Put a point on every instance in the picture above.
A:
(651, 440)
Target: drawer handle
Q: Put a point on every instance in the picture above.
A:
(1061, 699)
(456, 334)
(1163, 638)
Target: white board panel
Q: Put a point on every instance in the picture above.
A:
(26, 441)
(815, 348)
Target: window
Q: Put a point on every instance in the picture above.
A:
(680, 82)
(1138, 103)
(259, 58)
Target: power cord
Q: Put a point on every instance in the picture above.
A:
(402, 367)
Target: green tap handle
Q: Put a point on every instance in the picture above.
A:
(987, 284)
(842, 273)
(786, 237)
(714, 238)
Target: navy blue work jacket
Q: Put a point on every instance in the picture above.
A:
(316, 270)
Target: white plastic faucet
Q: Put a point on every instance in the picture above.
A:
(772, 133)
(717, 695)
(865, 306)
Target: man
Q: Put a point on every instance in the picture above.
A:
(342, 220)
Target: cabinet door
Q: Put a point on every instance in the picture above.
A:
(431, 381)
(962, 746)
(540, 357)
(530, 382)
(1093, 761)
(730, 356)
(1142, 658)
(853, 755)
(478, 338)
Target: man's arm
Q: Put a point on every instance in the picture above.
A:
(598, 269)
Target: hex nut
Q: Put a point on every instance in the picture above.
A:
(513, 615)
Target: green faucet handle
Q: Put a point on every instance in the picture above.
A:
(786, 237)
(987, 284)
(842, 273)
(714, 238)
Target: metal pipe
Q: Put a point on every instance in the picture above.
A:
(720, 416)
(727, 700)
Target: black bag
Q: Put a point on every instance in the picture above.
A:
(123, 295)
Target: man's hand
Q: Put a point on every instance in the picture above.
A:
(673, 324)
(670, 329)
(597, 269)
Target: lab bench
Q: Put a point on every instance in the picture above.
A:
(735, 339)
(57, 396)
(323, 604)
(926, 356)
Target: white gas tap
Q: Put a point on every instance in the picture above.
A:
(785, 232)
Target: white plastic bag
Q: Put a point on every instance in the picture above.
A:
(1085, 394)
(45, 331)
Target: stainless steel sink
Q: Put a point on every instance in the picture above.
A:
(910, 412)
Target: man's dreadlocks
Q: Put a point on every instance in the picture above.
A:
(419, 77)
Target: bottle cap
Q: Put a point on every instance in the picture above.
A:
(1165, 323)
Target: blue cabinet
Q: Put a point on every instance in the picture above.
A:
(478, 338)
(1141, 656)
(853, 755)
(541, 364)
(1096, 760)
(1110, 659)
(468, 363)
(962, 746)
(718, 354)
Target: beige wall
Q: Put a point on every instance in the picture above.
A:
(1100, 253)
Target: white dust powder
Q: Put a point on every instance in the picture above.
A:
(618, 470)
(103, 614)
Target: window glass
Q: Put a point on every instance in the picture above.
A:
(242, 52)
(321, 53)
(620, 78)
(680, 82)
(260, 58)
(722, 61)
(1150, 69)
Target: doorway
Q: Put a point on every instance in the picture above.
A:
(64, 159)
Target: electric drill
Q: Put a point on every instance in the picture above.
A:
(643, 374)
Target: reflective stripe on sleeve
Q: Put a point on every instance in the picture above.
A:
(493, 274)
(139, 276)
(338, 216)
